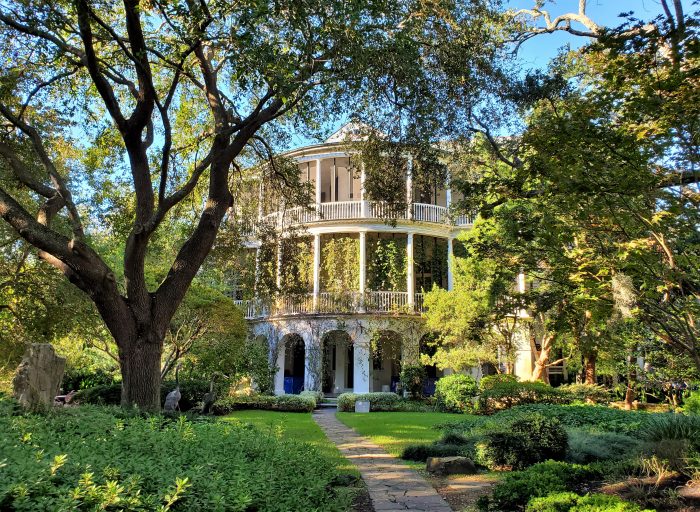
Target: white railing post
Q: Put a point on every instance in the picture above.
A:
(317, 270)
(278, 277)
(410, 281)
(450, 278)
(363, 269)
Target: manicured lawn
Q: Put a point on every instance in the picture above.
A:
(393, 431)
(296, 426)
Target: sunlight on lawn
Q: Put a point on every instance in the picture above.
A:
(293, 426)
(395, 430)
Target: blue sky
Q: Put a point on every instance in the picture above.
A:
(538, 51)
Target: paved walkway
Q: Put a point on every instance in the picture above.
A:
(393, 486)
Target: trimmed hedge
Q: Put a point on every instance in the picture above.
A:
(192, 391)
(377, 401)
(421, 452)
(286, 403)
(504, 395)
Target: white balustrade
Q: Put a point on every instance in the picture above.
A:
(423, 212)
(386, 302)
(341, 210)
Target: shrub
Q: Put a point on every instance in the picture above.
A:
(316, 395)
(77, 378)
(454, 392)
(192, 391)
(569, 501)
(287, 403)
(591, 393)
(523, 442)
(412, 378)
(515, 489)
(668, 426)
(488, 382)
(95, 458)
(691, 404)
(504, 395)
(421, 452)
(377, 401)
(585, 447)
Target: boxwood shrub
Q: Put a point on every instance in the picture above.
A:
(377, 401)
(98, 458)
(507, 394)
(287, 403)
(522, 442)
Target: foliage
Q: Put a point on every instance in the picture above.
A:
(522, 442)
(504, 395)
(386, 269)
(288, 403)
(592, 393)
(378, 401)
(340, 264)
(691, 403)
(421, 451)
(454, 393)
(488, 382)
(316, 395)
(569, 501)
(412, 379)
(516, 489)
(586, 446)
(84, 459)
(77, 378)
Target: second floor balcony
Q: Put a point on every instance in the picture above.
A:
(333, 303)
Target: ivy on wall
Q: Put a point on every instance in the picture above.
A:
(340, 264)
(297, 265)
(386, 264)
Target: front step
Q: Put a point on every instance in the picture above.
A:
(327, 405)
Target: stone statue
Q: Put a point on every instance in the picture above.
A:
(172, 399)
(38, 377)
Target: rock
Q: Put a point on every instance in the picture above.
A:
(38, 377)
(450, 466)
(362, 406)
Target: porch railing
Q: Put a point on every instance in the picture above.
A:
(349, 210)
(333, 303)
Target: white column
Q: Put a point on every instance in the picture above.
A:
(278, 280)
(318, 184)
(521, 282)
(317, 269)
(409, 188)
(448, 197)
(279, 376)
(363, 268)
(334, 174)
(450, 278)
(256, 282)
(363, 198)
(362, 369)
(410, 280)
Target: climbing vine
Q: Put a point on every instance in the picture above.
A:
(386, 264)
(340, 264)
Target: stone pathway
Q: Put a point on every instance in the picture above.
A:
(393, 486)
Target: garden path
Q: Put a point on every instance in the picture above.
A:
(393, 486)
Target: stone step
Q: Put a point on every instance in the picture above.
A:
(328, 405)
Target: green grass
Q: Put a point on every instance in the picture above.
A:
(297, 426)
(393, 431)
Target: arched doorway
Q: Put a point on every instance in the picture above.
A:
(337, 374)
(294, 362)
(386, 349)
(428, 347)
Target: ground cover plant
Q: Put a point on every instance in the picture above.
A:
(91, 458)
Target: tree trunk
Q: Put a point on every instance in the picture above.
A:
(540, 371)
(140, 367)
(629, 393)
(589, 361)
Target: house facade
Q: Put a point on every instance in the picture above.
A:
(359, 320)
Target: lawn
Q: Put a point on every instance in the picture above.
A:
(298, 426)
(393, 431)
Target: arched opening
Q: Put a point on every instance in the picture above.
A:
(428, 347)
(337, 372)
(294, 362)
(386, 360)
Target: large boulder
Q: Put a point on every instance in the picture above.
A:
(38, 377)
(450, 466)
